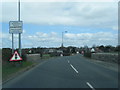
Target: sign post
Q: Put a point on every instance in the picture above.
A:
(19, 33)
(12, 44)
(16, 27)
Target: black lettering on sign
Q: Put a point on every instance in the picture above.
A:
(15, 56)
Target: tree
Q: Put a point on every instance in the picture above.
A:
(109, 48)
(102, 47)
(6, 54)
(117, 48)
(86, 49)
(94, 46)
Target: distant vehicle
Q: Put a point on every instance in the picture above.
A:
(61, 55)
(77, 52)
(82, 52)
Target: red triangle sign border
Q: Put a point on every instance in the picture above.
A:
(15, 59)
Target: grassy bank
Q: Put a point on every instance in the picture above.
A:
(9, 69)
(47, 56)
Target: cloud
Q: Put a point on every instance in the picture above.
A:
(93, 14)
(24, 31)
(62, 1)
(53, 39)
(89, 39)
(115, 27)
(83, 14)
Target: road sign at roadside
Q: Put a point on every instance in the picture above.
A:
(15, 27)
(16, 57)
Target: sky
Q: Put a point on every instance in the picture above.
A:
(87, 23)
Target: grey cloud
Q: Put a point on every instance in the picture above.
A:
(64, 13)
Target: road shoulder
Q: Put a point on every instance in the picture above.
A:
(108, 65)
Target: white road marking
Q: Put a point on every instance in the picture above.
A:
(68, 61)
(90, 85)
(73, 68)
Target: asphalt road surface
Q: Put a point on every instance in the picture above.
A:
(66, 72)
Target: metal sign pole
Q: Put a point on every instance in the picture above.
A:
(20, 44)
(15, 27)
(12, 44)
(19, 33)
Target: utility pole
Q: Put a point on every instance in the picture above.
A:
(19, 33)
(62, 38)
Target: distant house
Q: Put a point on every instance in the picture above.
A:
(46, 51)
(51, 50)
(59, 51)
(92, 50)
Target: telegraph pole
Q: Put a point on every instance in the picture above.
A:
(19, 33)
(62, 40)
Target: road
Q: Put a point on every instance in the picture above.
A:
(66, 72)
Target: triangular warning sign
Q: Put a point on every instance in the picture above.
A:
(16, 57)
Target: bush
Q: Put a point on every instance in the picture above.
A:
(6, 54)
(24, 57)
(87, 54)
(66, 54)
(54, 54)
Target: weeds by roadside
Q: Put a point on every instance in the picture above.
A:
(9, 69)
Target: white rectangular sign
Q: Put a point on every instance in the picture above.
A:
(15, 27)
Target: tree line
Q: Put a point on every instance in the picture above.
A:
(7, 52)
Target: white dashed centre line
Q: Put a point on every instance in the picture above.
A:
(73, 68)
(90, 85)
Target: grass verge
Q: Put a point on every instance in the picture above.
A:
(9, 69)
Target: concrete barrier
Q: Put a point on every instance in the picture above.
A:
(107, 57)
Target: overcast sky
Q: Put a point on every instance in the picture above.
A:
(86, 23)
